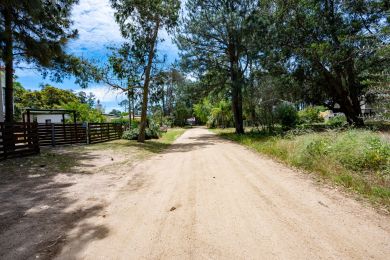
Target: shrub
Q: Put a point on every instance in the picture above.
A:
(287, 115)
(133, 134)
(311, 114)
(151, 132)
(337, 121)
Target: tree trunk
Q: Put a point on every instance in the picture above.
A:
(8, 60)
(235, 77)
(342, 88)
(142, 125)
(237, 102)
(351, 111)
(129, 98)
(347, 97)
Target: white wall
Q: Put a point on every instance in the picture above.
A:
(41, 119)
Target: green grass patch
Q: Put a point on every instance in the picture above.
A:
(359, 160)
(149, 147)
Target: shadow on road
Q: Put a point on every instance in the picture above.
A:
(36, 210)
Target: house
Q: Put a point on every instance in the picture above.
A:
(2, 94)
(48, 116)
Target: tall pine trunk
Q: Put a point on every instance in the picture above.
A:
(129, 97)
(236, 81)
(145, 95)
(237, 102)
(8, 60)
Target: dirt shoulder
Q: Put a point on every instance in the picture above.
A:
(44, 197)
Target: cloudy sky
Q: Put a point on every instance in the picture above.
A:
(95, 22)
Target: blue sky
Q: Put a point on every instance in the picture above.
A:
(94, 19)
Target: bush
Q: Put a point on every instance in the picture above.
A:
(337, 121)
(125, 121)
(311, 115)
(151, 132)
(133, 134)
(287, 115)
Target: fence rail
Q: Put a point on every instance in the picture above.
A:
(103, 132)
(60, 134)
(18, 139)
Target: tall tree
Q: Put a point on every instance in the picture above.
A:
(333, 42)
(215, 35)
(35, 32)
(141, 21)
(124, 72)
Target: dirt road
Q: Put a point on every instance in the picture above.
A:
(207, 198)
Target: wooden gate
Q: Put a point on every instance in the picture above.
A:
(18, 139)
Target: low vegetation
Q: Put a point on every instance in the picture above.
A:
(356, 159)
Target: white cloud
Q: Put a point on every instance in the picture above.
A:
(105, 94)
(94, 19)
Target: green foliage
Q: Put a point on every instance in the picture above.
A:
(85, 113)
(181, 113)
(125, 121)
(215, 38)
(141, 21)
(37, 38)
(287, 115)
(202, 110)
(337, 121)
(50, 97)
(151, 132)
(218, 114)
(221, 115)
(311, 114)
(331, 46)
(158, 117)
(115, 112)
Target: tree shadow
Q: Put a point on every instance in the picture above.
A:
(37, 211)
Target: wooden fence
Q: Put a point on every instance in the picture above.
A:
(103, 132)
(60, 134)
(18, 139)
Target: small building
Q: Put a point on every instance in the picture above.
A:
(191, 121)
(48, 116)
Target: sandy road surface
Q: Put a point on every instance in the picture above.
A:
(206, 198)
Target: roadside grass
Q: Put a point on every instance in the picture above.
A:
(359, 160)
(67, 159)
(149, 147)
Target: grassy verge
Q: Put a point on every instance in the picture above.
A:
(152, 146)
(67, 159)
(359, 160)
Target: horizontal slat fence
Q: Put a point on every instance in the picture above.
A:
(103, 132)
(18, 139)
(60, 134)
